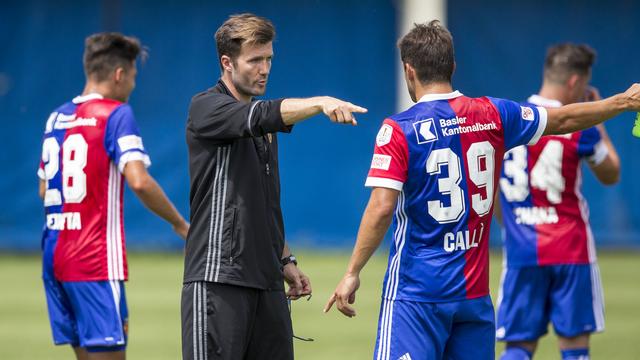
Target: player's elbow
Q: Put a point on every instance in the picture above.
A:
(610, 177)
(140, 184)
(383, 209)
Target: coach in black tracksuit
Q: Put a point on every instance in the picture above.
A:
(236, 260)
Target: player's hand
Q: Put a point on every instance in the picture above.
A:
(592, 94)
(299, 283)
(632, 97)
(345, 295)
(182, 229)
(341, 111)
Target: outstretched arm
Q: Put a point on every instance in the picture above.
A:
(579, 116)
(221, 117)
(152, 196)
(374, 224)
(296, 110)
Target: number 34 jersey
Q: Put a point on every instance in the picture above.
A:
(87, 142)
(545, 216)
(444, 156)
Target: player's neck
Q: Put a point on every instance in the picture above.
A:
(236, 94)
(432, 88)
(92, 87)
(554, 92)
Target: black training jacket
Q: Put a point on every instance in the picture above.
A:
(237, 233)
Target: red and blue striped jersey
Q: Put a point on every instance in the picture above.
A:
(546, 219)
(86, 144)
(444, 156)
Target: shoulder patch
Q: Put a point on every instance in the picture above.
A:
(384, 135)
(527, 113)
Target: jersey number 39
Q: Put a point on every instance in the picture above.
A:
(481, 176)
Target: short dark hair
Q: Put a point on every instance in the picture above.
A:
(242, 29)
(107, 51)
(428, 48)
(566, 59)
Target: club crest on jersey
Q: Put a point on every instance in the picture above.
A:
(425, 131)
(527, 113)
(384, 135)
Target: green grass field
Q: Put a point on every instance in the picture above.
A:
(154, 292)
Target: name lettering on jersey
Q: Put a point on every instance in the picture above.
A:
(467, 129)
(425, 131)
(527, 113)
(64, 221)
(463, 239)
(536, 215)
(384, 135)
(381, 161)
(70, 121)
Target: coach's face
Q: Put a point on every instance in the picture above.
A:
(250, 70)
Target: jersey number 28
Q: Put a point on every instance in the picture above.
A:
(74, 160)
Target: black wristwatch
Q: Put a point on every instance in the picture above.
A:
(288, 260)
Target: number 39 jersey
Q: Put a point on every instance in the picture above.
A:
(545, 216)
(86, 144)
(444, 156)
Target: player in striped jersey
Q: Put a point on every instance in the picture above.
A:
(437, 164)
(550, 272)
(90, 145)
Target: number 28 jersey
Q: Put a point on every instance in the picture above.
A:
(87, 142)
(546, 219)
(444, 156)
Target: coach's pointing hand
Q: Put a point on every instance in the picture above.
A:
(341, 111)
(345, 294)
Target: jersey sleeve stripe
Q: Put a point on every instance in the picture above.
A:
(131, 156)
(384, 182)
(600, 153)
(542, 124)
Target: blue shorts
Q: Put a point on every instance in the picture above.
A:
(570, 296)
(88, 314)
(431, 331)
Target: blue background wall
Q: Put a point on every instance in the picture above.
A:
(343, 48)
(319, 50)
(500, 50)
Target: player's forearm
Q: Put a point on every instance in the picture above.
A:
(152, 196)
(285, 251)
(42, 188)
(296, 110)
(375, 223)
(579, 116)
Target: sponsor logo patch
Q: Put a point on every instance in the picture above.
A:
(527, 113)
(425, 131)
(384, 135)
(381, 162)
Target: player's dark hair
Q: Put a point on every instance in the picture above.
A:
(242, 29)
(107, 51)
(428, 48)
(564, 60)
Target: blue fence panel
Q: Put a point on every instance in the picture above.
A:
(500, 50)
(340, 48)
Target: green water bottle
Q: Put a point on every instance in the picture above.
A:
(636, 127)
